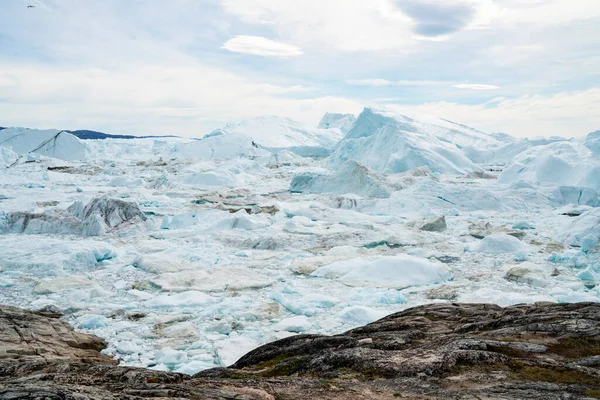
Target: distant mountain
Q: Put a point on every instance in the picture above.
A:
(87, 134)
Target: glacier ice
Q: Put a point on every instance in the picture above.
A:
(186, 254)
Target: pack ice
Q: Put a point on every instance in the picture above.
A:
(185, 254)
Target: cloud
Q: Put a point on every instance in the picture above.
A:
(385, 82)
(322, 25)
(369, 82)
(564, 114)
(435, 18)
(474, 86)
(416, 83)
(187, 100)
(260, 46)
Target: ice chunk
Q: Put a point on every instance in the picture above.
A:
(573, 230)
(51, 222)
(195, 366)
(592, 142)
(523, 225)
(437, 225)
(350, 177)
(500, 243)
(560, 163)
(126, 181)
(297, 324)
(190, 298)
(343, 122)
(529, 273)
(386, 272)
(127, 347)
(171, 358)
(7, 156)
(589, 242)
(308, 305)
(358, 315)
(231, 349)
(210, 280)
(46, 256)
(93, 321)
(502, 297)
(114, 212)
(63, 283)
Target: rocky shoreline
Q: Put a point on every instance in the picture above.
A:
(438, 351)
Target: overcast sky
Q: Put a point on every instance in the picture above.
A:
(523, 67)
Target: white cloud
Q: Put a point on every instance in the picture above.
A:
(563, 114)
(369, 82)
(187, 100)
(475, 86)
(260, 46)
(354, 25)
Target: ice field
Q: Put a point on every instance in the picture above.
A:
(186, 254)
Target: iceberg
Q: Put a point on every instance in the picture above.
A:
(51, 143)
(562, 164)
(350, 178)
(386, 272)
(388, 142)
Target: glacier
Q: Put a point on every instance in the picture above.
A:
(185, 254)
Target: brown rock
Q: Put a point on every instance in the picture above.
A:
(439, 351)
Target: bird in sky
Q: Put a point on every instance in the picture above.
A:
(30, 6)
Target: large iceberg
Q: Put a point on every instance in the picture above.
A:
(277, 133)
(51, 143)
(391, 143)
(568, 163)
(221, 146)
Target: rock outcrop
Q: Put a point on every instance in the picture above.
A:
(439, 351)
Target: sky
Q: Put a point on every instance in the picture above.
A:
(185, 67)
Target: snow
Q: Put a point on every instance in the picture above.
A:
(186, 254)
